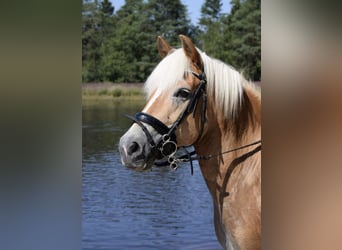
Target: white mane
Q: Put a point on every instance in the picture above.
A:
(224, 83)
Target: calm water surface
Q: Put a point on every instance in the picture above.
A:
(122, 209)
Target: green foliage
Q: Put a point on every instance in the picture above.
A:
(91, 22)
(111, 91)
(121, 46)
(117, 92)
(107, 8)
(211, 28)
(243, 37)
(234, 38)
(210, 12)
(168, 19)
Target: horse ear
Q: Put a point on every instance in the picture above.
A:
(163, 47)
(191, 52)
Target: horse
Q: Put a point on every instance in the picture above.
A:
(193, 99)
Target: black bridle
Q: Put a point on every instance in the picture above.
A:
(167, 144)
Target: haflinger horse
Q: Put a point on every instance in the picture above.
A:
(193, 99)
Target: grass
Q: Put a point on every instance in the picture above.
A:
(95, 91)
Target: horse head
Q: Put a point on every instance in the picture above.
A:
(173, 89)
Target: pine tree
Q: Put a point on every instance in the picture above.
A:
(91, 23)
(211, 28)
(121, 46)
(243, 37)
(210, 12)
(131, 53)
(169, 19)
(107, 8)
(123, 51)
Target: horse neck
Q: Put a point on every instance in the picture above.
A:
(233, 179)
(222, 134)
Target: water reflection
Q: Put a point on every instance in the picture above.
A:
(122, 209)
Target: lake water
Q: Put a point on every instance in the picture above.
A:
(123, 209)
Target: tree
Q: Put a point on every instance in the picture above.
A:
(91, 23)
(169, 19)
(121, 46)
(122, 52)
(210, 12)
(107, 8)
(97, 26)
(211, 28)
(242, 37)
(131, 53)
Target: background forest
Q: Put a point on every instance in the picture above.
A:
(120, 45)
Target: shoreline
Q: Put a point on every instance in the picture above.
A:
(112, 85)
(112, 91)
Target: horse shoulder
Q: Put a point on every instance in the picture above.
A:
(241, 209)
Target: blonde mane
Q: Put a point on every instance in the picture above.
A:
(224, 83)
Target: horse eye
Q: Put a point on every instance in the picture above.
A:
(182, 93)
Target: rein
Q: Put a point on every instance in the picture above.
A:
(188, 157)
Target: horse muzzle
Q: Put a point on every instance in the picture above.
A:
(134, 154)
(135, 150)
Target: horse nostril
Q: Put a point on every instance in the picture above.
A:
(134, 147)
